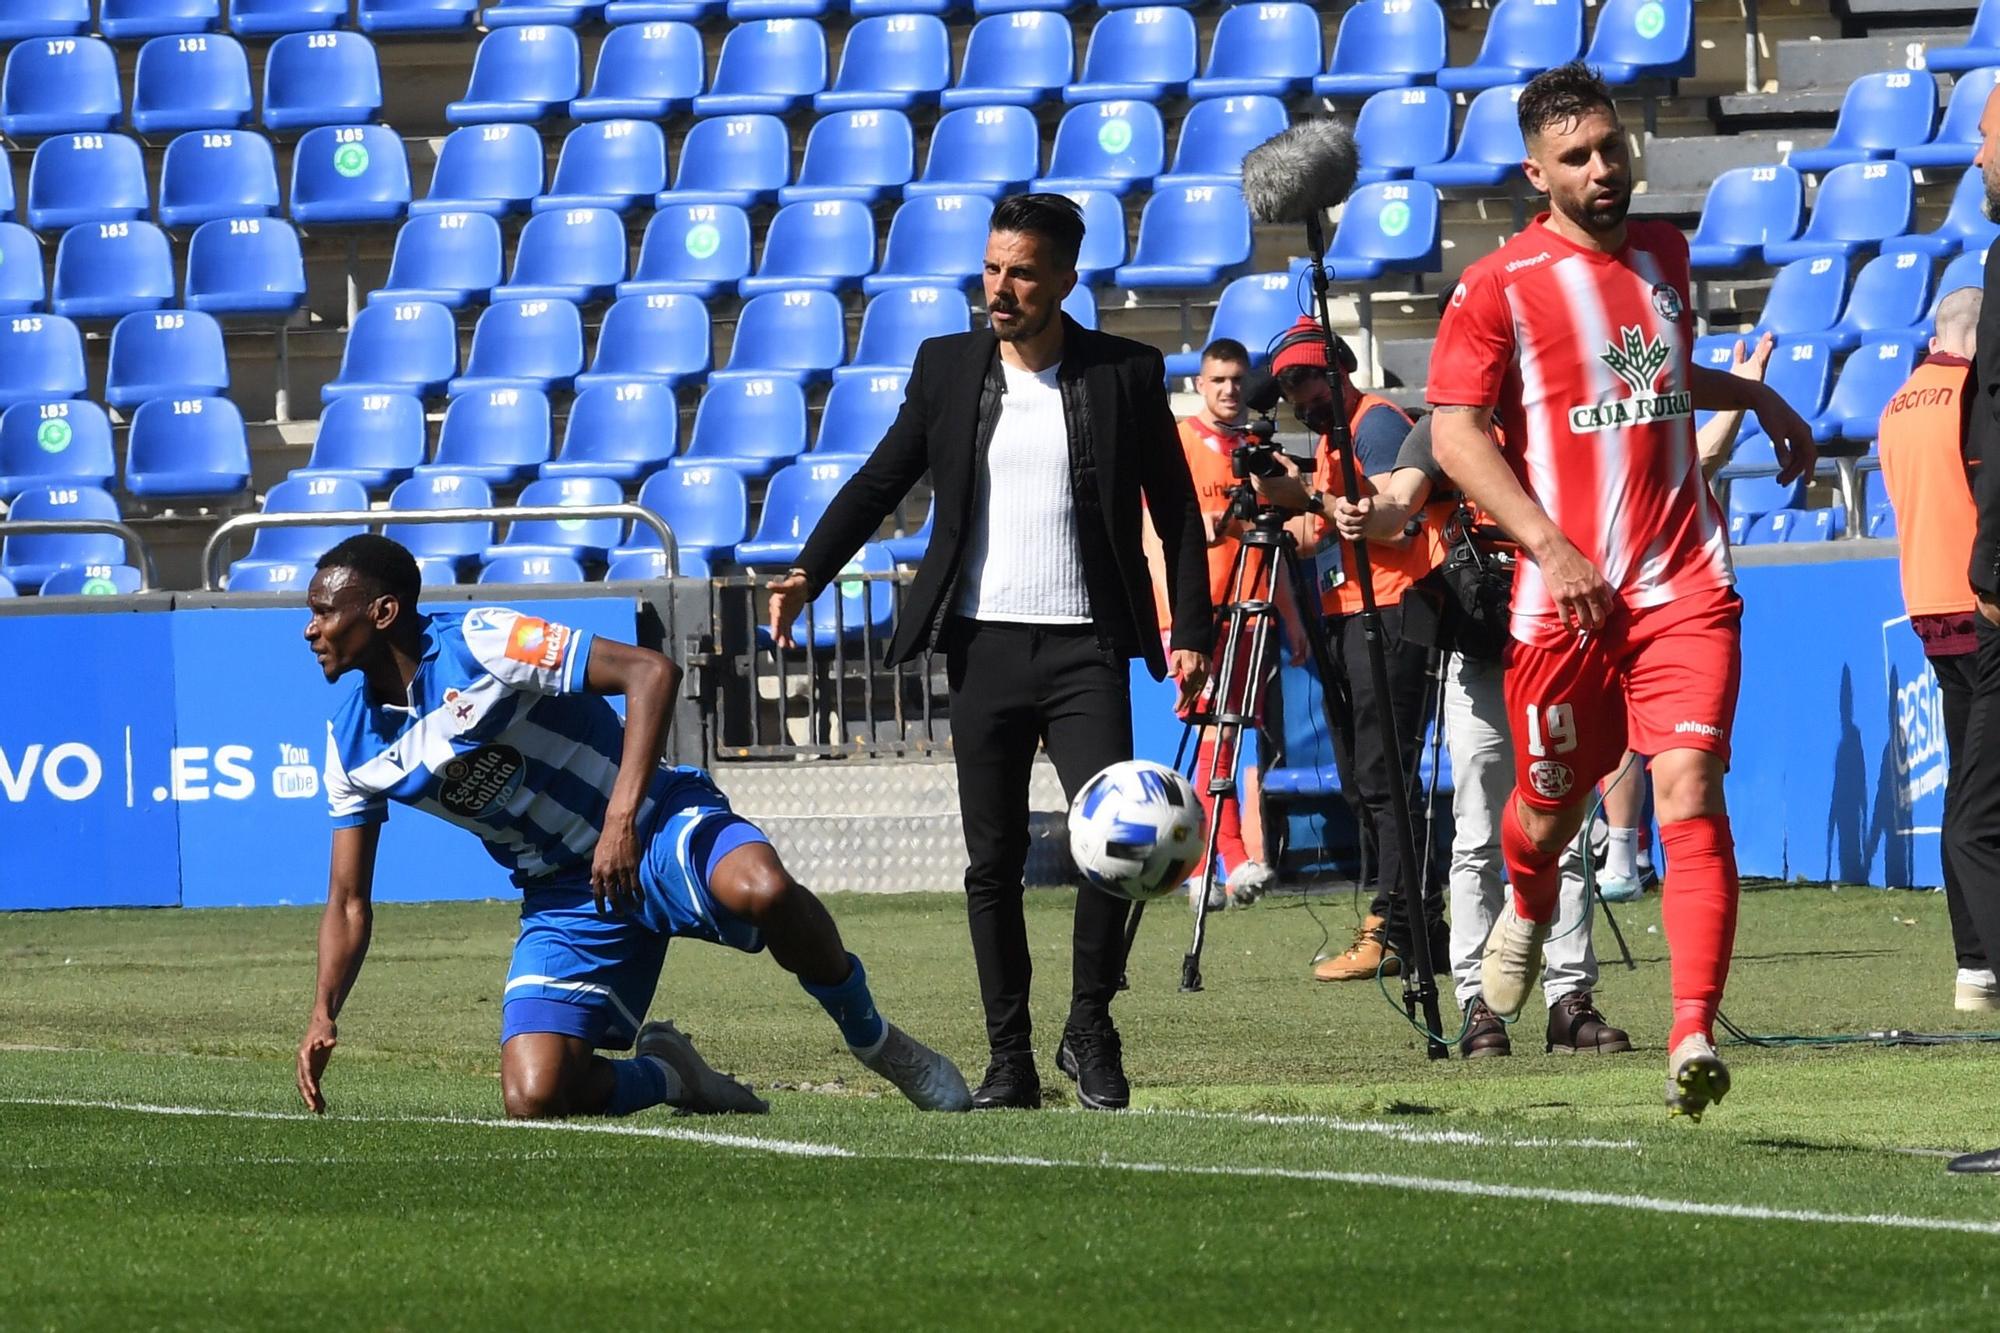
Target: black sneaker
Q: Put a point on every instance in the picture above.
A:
(1094, 1060)
(1011, 1084)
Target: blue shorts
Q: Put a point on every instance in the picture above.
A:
(582, 974)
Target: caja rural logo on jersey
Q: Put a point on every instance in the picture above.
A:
(482, 781)
(1638, 361)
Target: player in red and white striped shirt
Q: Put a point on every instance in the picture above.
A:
(1575, 337)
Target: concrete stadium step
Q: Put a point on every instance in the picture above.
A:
(1813, 76)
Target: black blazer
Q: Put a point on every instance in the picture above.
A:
(1126, 438)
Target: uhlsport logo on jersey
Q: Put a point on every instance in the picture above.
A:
(538, 643)
(1638, 361)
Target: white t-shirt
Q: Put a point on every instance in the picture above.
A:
(1021, 558)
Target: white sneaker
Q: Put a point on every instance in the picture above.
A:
(1218, 897)
(703, 1091)
(1620, 888)
(1696, 1077)
(1251, 881)
(928, 1079)
(1976, 992)
(1511, 961)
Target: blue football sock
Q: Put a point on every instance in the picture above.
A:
(639, 1084)
(851, 1007)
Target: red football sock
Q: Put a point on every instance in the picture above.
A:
(1533, 873)
(1698, 905)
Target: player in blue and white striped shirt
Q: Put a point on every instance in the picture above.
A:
(497, 722)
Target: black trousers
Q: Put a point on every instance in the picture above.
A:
(1959, 680)
(1015, 686)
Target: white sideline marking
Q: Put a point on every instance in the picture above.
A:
(1642, 1203)
(1385, 1128)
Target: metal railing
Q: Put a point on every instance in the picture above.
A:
(218, 540)
(29, 527)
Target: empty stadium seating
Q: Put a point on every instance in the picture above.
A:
(625, 431)
(580, 539)
(523, 344)
(696, 250)
(494, 169)
(796, 498)
(1806, 297)
(849, 612)
(1881, 114)
(1957, 136)
(1107, 146)
(61, 85)
(897, 321)
(211, 174)
(659, 338)
(799, 336)
(451, 258)
(773, 67)
(1859, 206)
(1262, 49)
(939, 240)
(165, 354)
(1144, 54)
(1965, 225)
(92, 581)
(750, 425)
(105, 270)
(349, 175)
(245, 266)
(858, 155)
(374, 439)
(980, 150)
(1384, 44)
(1400, 130)
(577, 255)
(1189, 237)
(1746, 209)
(22, 288)
(645, 71)
(828, 245)
(41, 357)
(507, 567)
(1013, 60)
(449, 549)
(1889, 298)
(320, 78)
(1523, 38)
(28, 559)
(1388, 228)
(54, 443)
(521, 74)
(500, 436)
(858, 411)
(373, 16)
(264, 18)
(399, 347)
(187, 448)
(1639, 40)
(737, 160)
(1489, 148)
(1253, 310)
(1215, 134)
(76, 178)
(44, 18)
(191, 83)
(614, 164)
(894, 61)
(706, 508)
(281, 558)
(1868, 379)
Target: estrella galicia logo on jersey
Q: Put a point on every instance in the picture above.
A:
(1638, 361)
(1550, 779)
(481, 781)
(1667, 302)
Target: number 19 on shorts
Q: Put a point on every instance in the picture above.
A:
(1551, 730)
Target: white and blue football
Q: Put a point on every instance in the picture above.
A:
(1137, 830)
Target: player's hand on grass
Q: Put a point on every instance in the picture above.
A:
(317, 1048)
(1190, 673)
(1582, 597)
(788, 598)
(614, 868)
(1791, 438)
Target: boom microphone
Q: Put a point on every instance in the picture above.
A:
(1300, 172)
(1260, 392)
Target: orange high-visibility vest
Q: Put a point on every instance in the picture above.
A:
(1922, 446)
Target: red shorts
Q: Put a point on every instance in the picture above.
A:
(1663, 678)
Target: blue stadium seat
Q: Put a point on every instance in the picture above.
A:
(494, 169)
(1890, 296)
(1801, 371)
(86, 178)
(1490, 148)
(1881, 113)
(576, 255)
(1965, 270)
(1965, 225)
(1806, 298)
(1640, 40)
(529, 13)
(828, 245)
(373, 439)
(187, 448)
(41, 356)
(875, 8)
(374, 16)
(1267, 48)
(108, 269)
(909, 549)
(165, 354)
(7, 195)
(535, 344)
(27, 560)
(988, 150)
(1103, 239)
(799, 336)
(984, 7)
(451, 258)
(1868, 380)
(1215, 134)
(859, 155)
(939, 241)
(521, 75)
(751, 425)
(736, 160)
(1747, 208)
(899, 61)
(350, 175)
(614, 164)
(448, 547)
(44, 18)
(531, 569)
(1859, 206)
(1399, 130)
(499, 435)
(267, 18)
(22, 288)
(851, 611)
(1384, 44)
(773, 67)
(700, 250)
(662, 11)
(1013, 60)
(581, 539)
(245, 266)
(1818, 525)
(1253, 310)
(661, 338)
(7, 588)
(645, 71)
(707, 508)
(1753, 488)
(92, 581)
(1189, 237)
(1523, 38)
(273, 550)
(46, 443)
(191, 83)
(651, 566)
(1981, 49)
(1770, 529)
(320, 78)
(409, 347)
(896, 322)
(1881, 519)
(1393, 227)
(858, 412)
(61, 85)
(1957, 136)
(624, 431)
(793, 503)
(1145, 55)
(138, 20)
(1106, 146)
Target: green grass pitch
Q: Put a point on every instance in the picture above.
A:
(1293, 1161)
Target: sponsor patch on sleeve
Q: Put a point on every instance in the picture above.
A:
(538, 643)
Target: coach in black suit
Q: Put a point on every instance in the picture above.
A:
(1040, 438)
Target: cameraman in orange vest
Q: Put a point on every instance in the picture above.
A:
(1925, 468)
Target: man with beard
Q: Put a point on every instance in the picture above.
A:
(1575, 336)
(1041, 438)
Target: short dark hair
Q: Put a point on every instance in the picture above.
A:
(1562, 94)
(1226, 349)
(385, 562)
(1053, 217)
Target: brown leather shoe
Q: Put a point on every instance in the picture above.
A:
(1485, 1034)
(1576, 1028)
(1363, 958)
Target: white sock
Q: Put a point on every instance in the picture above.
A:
(1971, 977)
(1621, 854)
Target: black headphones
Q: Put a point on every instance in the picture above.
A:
(1343, 355)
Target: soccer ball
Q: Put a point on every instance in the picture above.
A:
(1137, 830)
